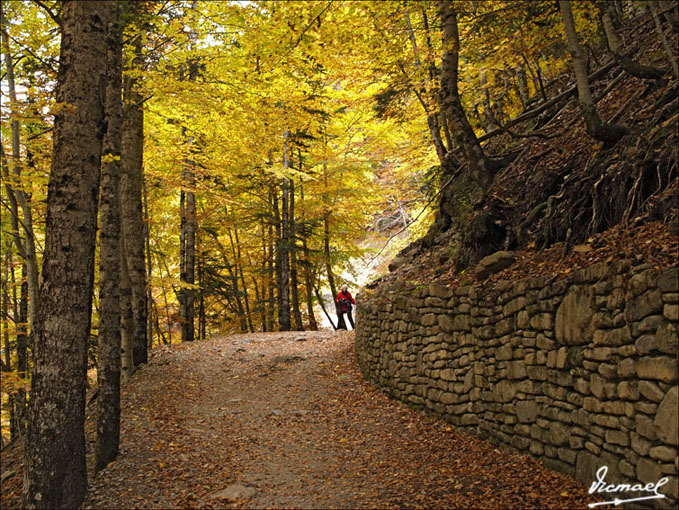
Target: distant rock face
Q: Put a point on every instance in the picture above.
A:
(494, 263)
(234, 493)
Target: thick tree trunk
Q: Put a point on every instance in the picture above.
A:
(480, 168)
(615, 46)
(189, 228)
(132, 157)
(596, 128)
(55, 473)
(108, 356)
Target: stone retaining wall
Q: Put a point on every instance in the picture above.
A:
(580, 372)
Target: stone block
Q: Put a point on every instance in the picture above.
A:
(567, 455)
(574, 317)
(586, 465)
(658, 368)
(558, 433)
(628, 390)
(504, 391)
(445, 322)
(667, 338)
(646, 344)
(613, 337)
(462, 322)
(428, 319)
(668, 281)
(448, 374)
(504, 352)
(663, 453)
(439, 291)
(494, 263)
(526, 411)
(536, 448)
(645, 427)
(516, 370)
(648, 470)
(666, 419)
(542, 322)
(537, 372)
(650, 391)
(627, 469)
(596, 386)
(671, 311)
(647, 303)
(627, 368)
(617, 437)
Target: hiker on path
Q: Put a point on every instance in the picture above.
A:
(344, 302)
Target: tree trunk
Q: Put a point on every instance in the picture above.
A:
(108, 357)
(308, 266)
(126, 318)
(596, 128)
(55, 474)
(132, 157)
(480, 167)
(270, 275)
(522, 80)
(284, 247)
(181, 293)
(201, 301)
(235, 248)
(189, 228)
(615, 46)
(663, 39)
(6, 366)
(313, 325)
(299, 326)
(328, 268)
(149, 271)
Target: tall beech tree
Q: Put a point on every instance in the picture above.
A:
(108, 355)
(132, 158)
(55, 472)
(608, 133)
(480, 167)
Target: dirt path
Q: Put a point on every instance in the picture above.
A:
(289, 416)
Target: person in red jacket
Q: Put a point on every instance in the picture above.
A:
(344, 302)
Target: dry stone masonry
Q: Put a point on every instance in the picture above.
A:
(580, 372)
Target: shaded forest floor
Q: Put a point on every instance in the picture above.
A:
(289, 415)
